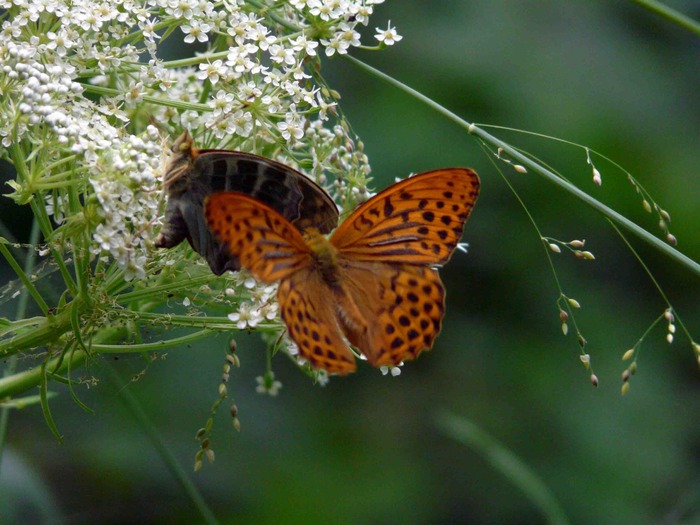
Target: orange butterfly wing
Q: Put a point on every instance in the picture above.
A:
(403, 304)
(418, 220)
(264, 241)
(386, 248)
(308, 310)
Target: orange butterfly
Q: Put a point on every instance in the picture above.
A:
(373, 281)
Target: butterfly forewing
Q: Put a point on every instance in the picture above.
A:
(418, 220)
(266, 243)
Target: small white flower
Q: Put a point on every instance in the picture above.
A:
(245, 317)
(387, 36)
(301, 43)
(196, 31)
(267, 384)
(292, 129)
(211, 71)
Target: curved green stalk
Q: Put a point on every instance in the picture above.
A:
(505, 462)
(674, 16)
(29, 264)
(539, 169)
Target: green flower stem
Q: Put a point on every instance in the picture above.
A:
(179, 104)
(28, 285)
(541, 170)
(172, 287)
(39, 211)
(29, 264)
(23, 381)
(41, 333)
(134, 406)
(674, 16)
(150, 347)
(505, 462)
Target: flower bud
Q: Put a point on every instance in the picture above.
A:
(577, 243)
(519, 168)
(594, 380)
(646, 205)
(629, 353)
(555, 248)
(564, 328)
(574, 303)
(625, 388)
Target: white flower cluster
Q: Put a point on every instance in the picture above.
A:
(255, 88)
(127, 189)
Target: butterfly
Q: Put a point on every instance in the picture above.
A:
(194, 173)
(373, 282)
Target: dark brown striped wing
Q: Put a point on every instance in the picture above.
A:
(194, 174)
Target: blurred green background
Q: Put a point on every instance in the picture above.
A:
(366, 449)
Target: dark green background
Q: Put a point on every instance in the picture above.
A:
(365, 449)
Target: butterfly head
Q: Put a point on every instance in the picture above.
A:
(183, 154)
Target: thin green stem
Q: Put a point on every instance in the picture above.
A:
(537, 168)
(674, 16)
(179, 104)
(149, 347)
(28, 285)
(654, 282)
(29, 264)
(134, 406)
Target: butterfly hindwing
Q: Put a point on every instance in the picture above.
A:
(404, 303)
(418, 220)
(308, 311)
(266, 243)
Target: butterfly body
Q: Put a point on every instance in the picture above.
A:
(194, 173)
(372, 283)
